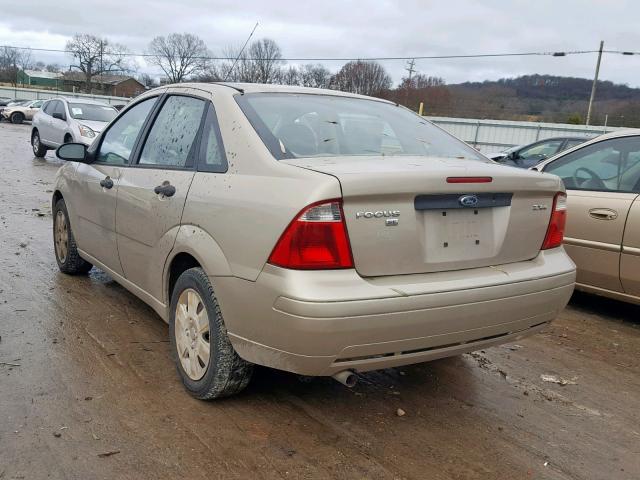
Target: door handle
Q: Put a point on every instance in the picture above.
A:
(106, 183)
(166, 189)
(603, 214)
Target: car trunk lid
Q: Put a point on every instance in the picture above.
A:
(403, 216)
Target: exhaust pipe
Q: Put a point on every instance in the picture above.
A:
(346, 377)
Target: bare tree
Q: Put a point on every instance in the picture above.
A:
(420, 81)
(366, 78)
(24, 60)
(179, 55)
(97, 56)
(53, 67)
(289, 76)
(12, 60)
(260, 63)
(9, 60)
(266, 58)
(237, 67)
(147, 81)
(316, 76)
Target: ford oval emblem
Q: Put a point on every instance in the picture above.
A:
(468, 200)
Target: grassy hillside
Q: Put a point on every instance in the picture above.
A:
(532, 98)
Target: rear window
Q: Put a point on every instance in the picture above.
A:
(309, 125)
(91, 112)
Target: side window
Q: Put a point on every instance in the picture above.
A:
(212, 157)
(59, 108)
(610, 165)
(48, 107)
(172, 137)
(540, 151)
(573, 143)
(37, 104)
(119, 140)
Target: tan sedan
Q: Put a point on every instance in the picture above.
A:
(602, 235)
(313, 231)
(20, 113)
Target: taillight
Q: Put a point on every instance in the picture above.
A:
(555, 232)
(316, 239)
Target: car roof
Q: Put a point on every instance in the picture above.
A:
(234, 88)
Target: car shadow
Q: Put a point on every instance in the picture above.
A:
(606, 307)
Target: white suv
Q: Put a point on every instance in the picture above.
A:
(62, 120)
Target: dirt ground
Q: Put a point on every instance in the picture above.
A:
(88, 391)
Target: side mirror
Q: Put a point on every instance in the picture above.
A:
(58, 115)
(513, 156)
(72, 152)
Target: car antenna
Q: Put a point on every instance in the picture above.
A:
(240, 53)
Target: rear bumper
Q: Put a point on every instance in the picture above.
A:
(319, 323)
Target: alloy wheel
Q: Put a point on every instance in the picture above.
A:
(192, 334)
(61, 236)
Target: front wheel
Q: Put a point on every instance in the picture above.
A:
(66, 250)
(207, 363)
(39, 150)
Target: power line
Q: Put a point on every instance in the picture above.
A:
(330, 59)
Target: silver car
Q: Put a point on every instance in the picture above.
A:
(62, 120)
(309, 230)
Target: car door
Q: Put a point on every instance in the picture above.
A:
(601, 181)
(58, 123)
(153, 191)
(630, 261)
(97, 183)
(44, 122)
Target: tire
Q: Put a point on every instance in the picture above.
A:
(17, 117)
(225, 373)
(68, 259)
(39, 150)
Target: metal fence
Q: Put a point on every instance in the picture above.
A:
(486, 135)
(34, 94)
(495, 135)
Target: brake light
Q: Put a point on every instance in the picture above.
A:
(555, 231)
(316, 239)
(469, 179)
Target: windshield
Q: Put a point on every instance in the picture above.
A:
(17, 103)
(91, 112)
(309, 125)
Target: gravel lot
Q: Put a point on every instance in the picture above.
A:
(88, 391)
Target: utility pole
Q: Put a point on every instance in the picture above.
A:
(595, 82)
(100, 77)
(409, 68)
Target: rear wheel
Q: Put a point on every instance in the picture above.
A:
(66, 251)
(17, 117)
(206, 361)
(39, 150)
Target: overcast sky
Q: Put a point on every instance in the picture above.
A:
(355, 29)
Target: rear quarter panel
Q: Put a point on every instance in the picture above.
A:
(247, 208)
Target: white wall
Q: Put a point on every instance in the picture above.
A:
(34, 94)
